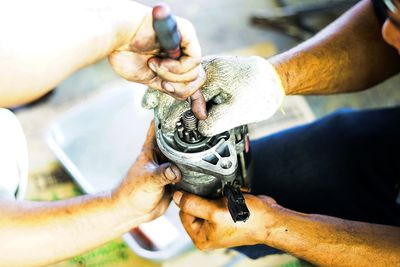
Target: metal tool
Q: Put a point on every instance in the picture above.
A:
(166, 29)
(168, 36)
(211, 167)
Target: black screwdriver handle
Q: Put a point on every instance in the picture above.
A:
(164, 24)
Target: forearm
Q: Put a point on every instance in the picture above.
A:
(348, 55)
(45, 41)
(41, 233)
(328, 241)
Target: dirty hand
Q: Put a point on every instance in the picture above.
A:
(210, 226)
(242, 90)
(142, 193)
(138, 61)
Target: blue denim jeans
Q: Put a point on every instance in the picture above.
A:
(345, 165)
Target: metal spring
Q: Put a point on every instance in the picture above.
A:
(189, 120)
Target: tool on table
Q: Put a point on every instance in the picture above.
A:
(168, 36)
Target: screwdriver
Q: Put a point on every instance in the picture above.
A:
(164, 24)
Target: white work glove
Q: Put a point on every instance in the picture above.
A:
(246, 89)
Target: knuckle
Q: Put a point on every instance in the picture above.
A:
(187, 205)
(200, 245)
(180, 96)
(184, 203)
(214, 216)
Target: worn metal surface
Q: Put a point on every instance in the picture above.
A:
(211, 167)
(206, 163)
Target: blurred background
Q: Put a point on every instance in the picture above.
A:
(242, 27)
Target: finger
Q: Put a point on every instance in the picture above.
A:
(156, 83)
(169, 88)
(148, 145)
(190, 222)
(182, 91)
(190, 47)
(181, 65)
(196, 206)
(166, 75)
(199, 105)
(186, 77)
(131, 66)
(145, 39)
(195, 229)
(164, 174)
(170, 173)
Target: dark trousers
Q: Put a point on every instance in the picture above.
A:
(345, 165)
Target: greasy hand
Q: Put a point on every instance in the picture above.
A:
(138, 61)
(210, 226)
(242, 89)
(142, 192)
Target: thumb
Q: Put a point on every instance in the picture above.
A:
(164, 174)
(266, 199)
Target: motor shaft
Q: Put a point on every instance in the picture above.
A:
(187, 128)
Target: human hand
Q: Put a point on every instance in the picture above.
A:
(242, 89)
(142, 194)
(139, 61)
(210, 226)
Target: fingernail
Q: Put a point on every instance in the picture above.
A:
(153, 66)
(202, 114)
(170, 174)
(177, 197)
(167, 86)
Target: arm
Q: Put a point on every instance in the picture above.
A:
(41, 233)
(348, 55)
(329, 241)
(319, 239)
(45, 41)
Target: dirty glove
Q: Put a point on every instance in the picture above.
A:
(242, 89)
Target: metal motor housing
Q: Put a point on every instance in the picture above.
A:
(211, 167)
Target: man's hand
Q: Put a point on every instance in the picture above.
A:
(139, 61)
(85, 222)
(241, 90)
(210, 226)
(319, 239)
(142, 194)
